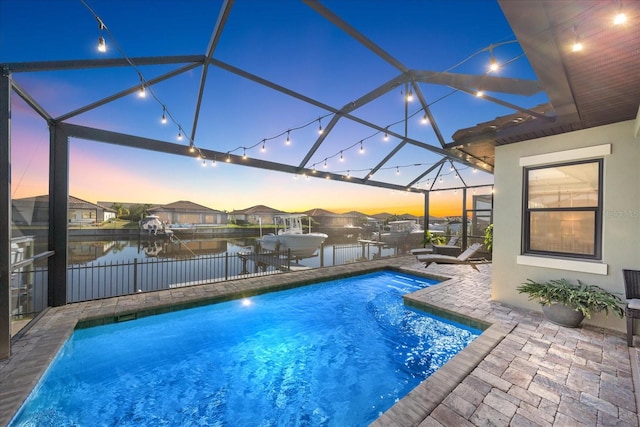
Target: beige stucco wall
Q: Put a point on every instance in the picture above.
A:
(621, 222)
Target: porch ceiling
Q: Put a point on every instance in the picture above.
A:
(597, 86)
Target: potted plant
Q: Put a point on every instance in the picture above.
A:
(431, 239)
(567, 304)
(488, 237)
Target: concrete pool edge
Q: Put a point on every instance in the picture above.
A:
(37, 348)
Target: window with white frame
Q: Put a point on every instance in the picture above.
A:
(563, 209)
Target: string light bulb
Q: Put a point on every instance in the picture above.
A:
(397, 170)
(386, 135)
(143, 92)
(425, 119)
(191, 147)
(244, 154)
(163, 120)
(341, 158)
(102, 45)
(361, 148)
(493, 64)
(179, 136)
(263, 147)
(319, 126)
(288, 141)
(409, 95)
(228, 158)
(479, 93)
(325, 163)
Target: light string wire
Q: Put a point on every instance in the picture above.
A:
(167, 113)
(144, 84)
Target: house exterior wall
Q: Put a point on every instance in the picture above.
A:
(621, 217)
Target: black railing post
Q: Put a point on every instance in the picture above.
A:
(135, 275)
(226, 266)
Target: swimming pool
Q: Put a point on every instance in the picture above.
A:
(337, 353)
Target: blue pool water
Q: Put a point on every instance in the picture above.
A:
(337, 353)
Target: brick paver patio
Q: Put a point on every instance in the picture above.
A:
(522, 371)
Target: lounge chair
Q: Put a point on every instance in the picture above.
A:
(463, 258)
(424, 251)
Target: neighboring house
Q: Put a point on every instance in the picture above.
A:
(35, 211)
(253, 215)
(185, 212)
(327, 219)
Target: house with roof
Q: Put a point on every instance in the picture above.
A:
(254, 215)
(185, 212)
(35, 211)
(327, 219)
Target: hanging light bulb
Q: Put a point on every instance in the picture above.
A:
(348, 174)
(341, 158)
(313, 170)
(244, 154)
(204, 163)
(102, 44)
(213, 162)
(577, 44)
(480, 94)
(397, 170)
(288, 141)
(386, 135)
(228, 158)
(179, 136)
(425, 119)
(361, 148)
(163, 120)
(325, 163)
(143, 92)
(191, 147)
(263, 147)
(319, 127)
(493, 64)
(409, 95)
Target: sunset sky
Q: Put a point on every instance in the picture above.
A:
(286, 42)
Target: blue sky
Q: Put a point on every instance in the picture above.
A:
(284, 41)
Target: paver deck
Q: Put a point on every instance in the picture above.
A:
(522, 371)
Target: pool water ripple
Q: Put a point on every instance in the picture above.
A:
(334, 354)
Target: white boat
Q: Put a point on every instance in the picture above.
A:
(152, 225)
(291, 237)
(402, 230)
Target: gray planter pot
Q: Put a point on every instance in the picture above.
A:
(563, 315)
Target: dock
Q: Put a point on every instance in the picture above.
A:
(264, 260)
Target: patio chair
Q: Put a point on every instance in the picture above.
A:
(463, 258)
(423, 251)
(632, 293)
